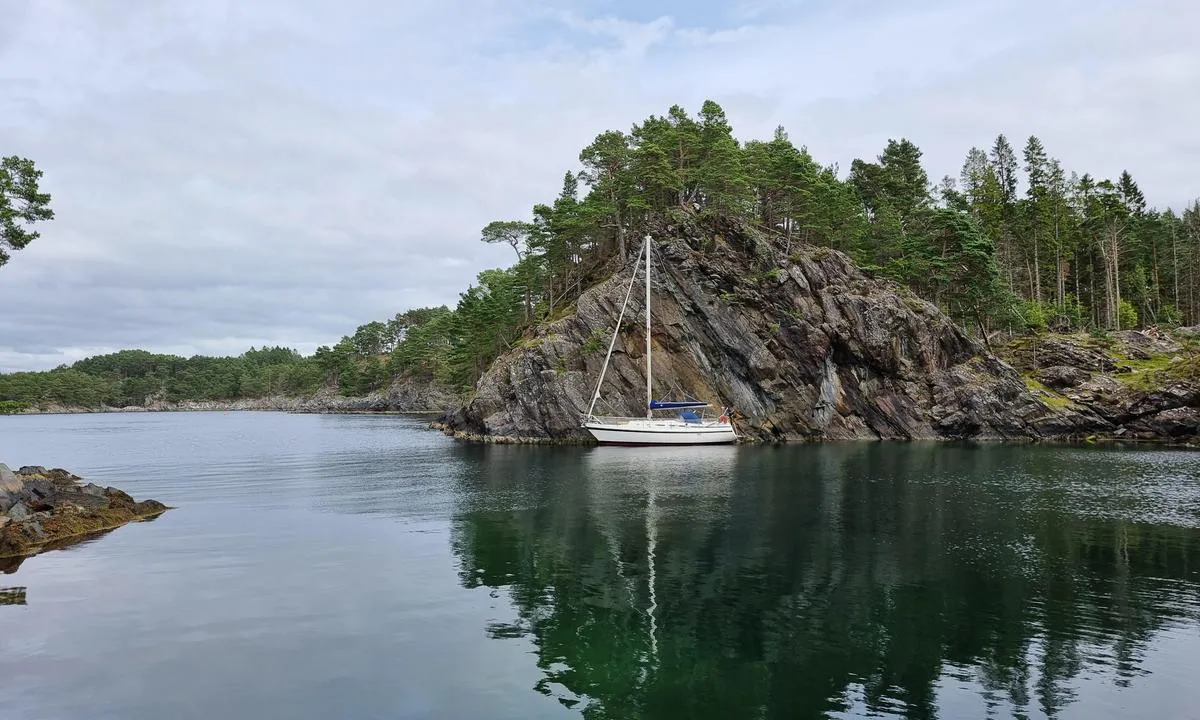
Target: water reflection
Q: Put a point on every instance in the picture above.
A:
(10, 565)
(12, 596)
(799, 582)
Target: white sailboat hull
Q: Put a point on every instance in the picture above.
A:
(636, 431)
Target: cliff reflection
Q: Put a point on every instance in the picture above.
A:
(797, 582)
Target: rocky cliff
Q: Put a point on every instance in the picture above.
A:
(803, 345)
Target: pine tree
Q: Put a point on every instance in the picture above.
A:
(1004, 160)
(22, 204)
(607, 168)
(1061, 222)
(903, 179)
(1004, 167)
(1036, 212)
(720, 176)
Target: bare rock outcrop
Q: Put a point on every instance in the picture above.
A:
(805, 347)
(41, 508)
(1141, 384)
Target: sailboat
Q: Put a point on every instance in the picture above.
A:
(685, 428)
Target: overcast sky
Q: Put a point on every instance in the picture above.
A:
(230, 173)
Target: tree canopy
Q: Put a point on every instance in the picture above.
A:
(22, 204)
(1016, 242)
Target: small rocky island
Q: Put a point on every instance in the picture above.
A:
(807, 346)
(43, 509)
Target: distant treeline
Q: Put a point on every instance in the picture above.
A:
(131, 377)
(358, 364)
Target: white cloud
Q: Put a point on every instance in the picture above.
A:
(228, 174)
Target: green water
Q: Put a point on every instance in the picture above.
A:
(322, 566)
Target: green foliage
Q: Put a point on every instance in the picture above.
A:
(720, 175)
(1072, 315)
(1127, 316)
(896, 185)
(1036, 317)
(1151, 373)
(512, 232)
(607, 168)
(1049, 397)
(946, 257)
(488, 319)
(12, 407)
(414, 343)
(371, 339)
(131, 377)
(422, 352)
(595, 343)
(769, 275)
(1170, 316)
(22, 204)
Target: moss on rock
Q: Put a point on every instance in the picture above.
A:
(43, 509)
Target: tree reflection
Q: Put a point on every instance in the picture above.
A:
(796, 582)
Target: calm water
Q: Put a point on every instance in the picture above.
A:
(361, 567)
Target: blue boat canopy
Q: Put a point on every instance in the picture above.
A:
(676, 405)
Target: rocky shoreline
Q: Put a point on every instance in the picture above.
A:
(403, 397)
(1131, 385)
(43, 509)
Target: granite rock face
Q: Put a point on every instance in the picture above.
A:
(805, 346)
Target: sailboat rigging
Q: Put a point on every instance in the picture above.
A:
(686, 428)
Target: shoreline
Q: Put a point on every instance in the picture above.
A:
(305, 404)
(401, 397)
(473, 438)
(43, 510)
(137, 409)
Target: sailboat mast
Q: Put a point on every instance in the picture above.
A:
(649, 370)
(616, 331)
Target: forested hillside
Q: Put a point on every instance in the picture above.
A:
(1010, 245)
(356, 365)
(1014, 243)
